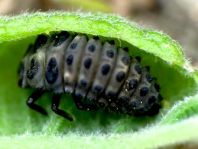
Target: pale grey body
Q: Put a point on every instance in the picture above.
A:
(98, 72)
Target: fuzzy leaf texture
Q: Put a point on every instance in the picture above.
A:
(21, 127)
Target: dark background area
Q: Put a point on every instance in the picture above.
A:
(178, 18)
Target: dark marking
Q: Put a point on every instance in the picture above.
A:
(91, 48)
(152, 100)
(69, 60)
(73, 45)
(95, 37)
(133, 83)
(126, 49)
(34, 66)
(105, 69)
(78, 95)
(40, 41)
(133, 104)
(144, 91)
(83, 83)
(126, 60)
(112, 42)
(120, 76)
(87, 63)
(154, 109)
(60, 38)
(138, 69)
(110, 53)
(98, 89)
(51, 73)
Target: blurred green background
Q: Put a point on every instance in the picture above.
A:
(178, 18)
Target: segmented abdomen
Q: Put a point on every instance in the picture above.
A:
(100, 73)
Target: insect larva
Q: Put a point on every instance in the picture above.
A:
(96, 74)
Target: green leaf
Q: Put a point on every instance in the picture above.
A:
(181, 110)
(153, 137)
(176, 77)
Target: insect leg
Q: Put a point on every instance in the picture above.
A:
(33, 98)
(55, 104)
(83, 106)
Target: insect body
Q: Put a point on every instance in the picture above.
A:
(96, 74)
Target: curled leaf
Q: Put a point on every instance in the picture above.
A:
(164, 56)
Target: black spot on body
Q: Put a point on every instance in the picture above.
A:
(126, 60)
(138, 69)
(120, 76)
(154, 109)
(91, 48)
(152, 100)
(87, 63)
(97, 89)
(105, 69)
(144, 91)
(133, 84)
(83, 83)
(60, 38)
(133, 104)
(51, 73)
(95, 37)
(110, 53)
(126, 49)
(40, 41)
(78, 95)
(34, 66)
(112, 42)
(73, 45)
(69, 60)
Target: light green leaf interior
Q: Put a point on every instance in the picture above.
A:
(160, 52)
